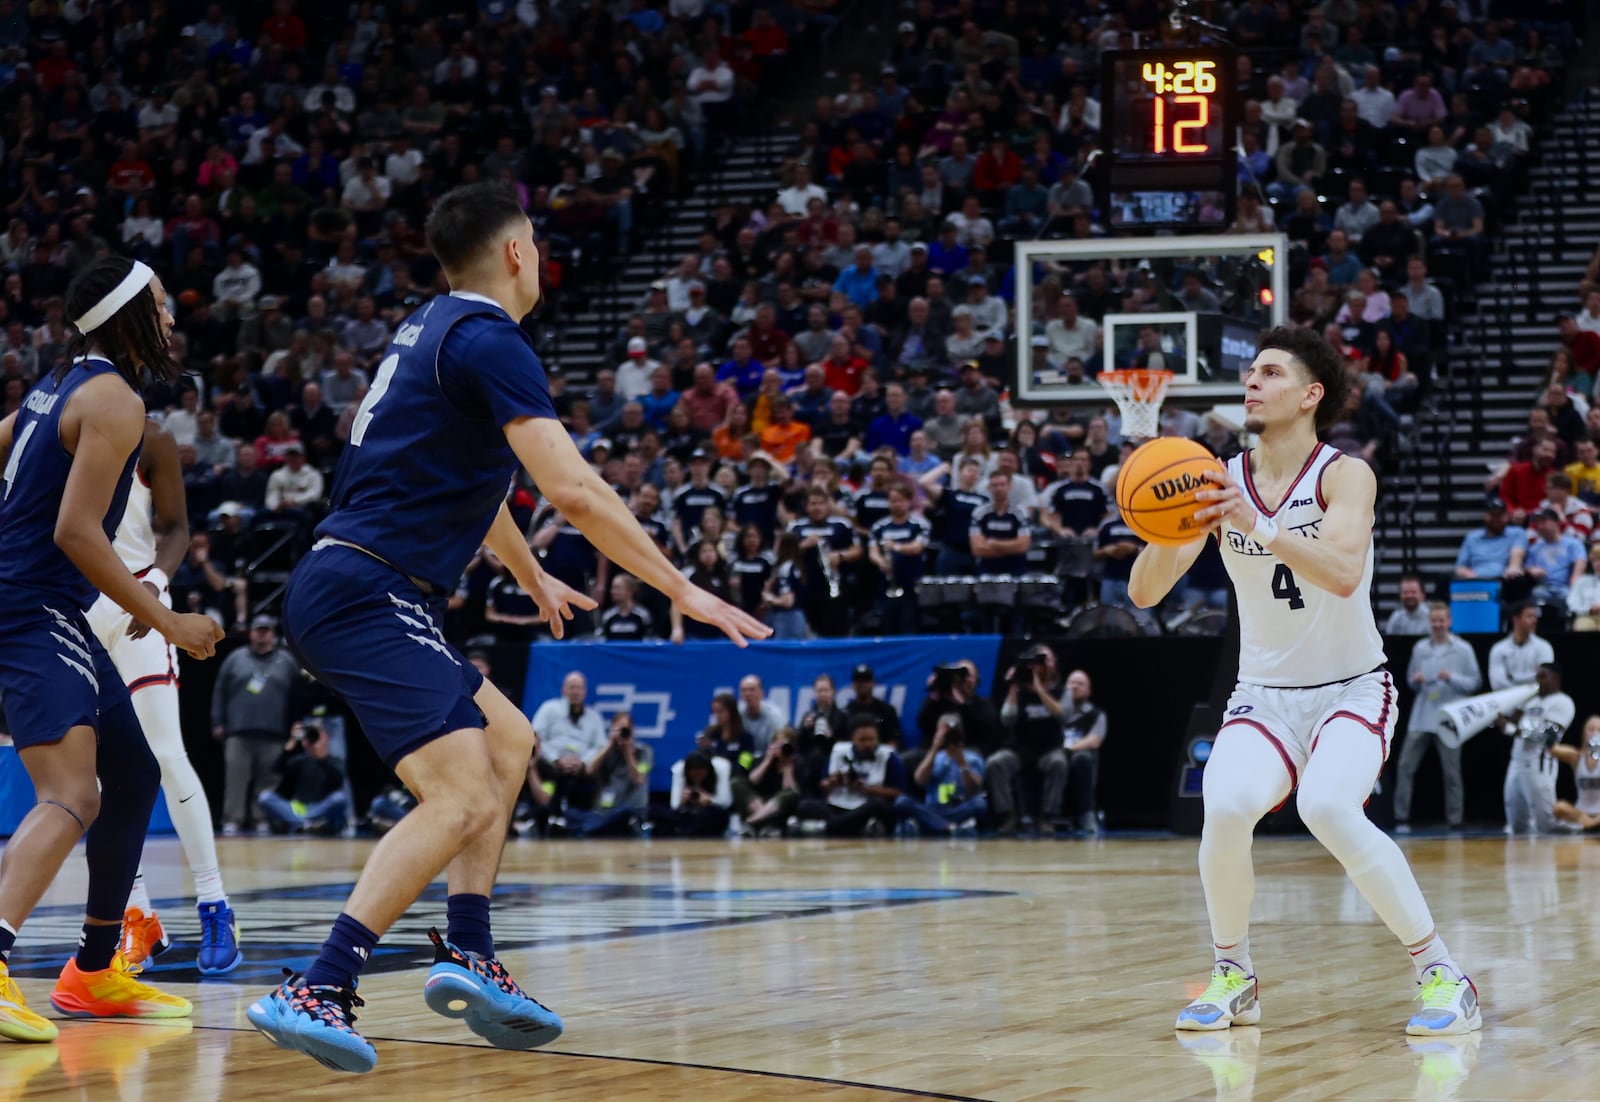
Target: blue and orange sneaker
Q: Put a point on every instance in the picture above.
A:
(219, 940)
(318, 1021)
(481, 992)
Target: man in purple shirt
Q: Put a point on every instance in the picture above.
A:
(1419, 106)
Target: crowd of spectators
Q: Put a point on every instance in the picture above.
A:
(809, 411)
(850, 765)
(275, 162)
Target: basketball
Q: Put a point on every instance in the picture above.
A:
(1156, 488)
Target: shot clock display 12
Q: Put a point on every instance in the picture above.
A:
(1169, 121)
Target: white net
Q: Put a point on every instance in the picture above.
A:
(1138, 393)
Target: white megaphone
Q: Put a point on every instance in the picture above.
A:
(1461, 719)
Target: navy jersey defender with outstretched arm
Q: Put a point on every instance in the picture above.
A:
(53, 672)
(417, 489)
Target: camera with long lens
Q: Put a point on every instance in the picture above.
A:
(946, 676)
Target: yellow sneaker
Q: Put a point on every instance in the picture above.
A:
(142, 936)
(20, 1065)
(17, 1022)
(113, 992)
(97, 1058)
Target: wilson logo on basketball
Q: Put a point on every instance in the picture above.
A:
(1169, 488)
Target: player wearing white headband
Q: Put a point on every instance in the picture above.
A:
(70, 452)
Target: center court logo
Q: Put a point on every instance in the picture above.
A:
(286, 926)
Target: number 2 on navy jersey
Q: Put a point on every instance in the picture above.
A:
(1284, 589)
(380, 386)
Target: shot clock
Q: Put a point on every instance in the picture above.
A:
(1169, 121)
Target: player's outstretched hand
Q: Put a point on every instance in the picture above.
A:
(1225, 503)
(194, 634)
(556, 599)
(735, 623)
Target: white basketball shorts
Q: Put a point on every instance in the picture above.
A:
(1293, 719)
(144, 662)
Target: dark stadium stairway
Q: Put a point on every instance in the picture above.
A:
(1500, 349)
(743, 175)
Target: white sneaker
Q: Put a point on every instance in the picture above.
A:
(1229, 999)
(1232, 1056)
(1402, 828)
(1449, 1005)
(1445, 1065)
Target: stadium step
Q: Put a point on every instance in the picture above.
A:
(744, 176)
(1511, 333)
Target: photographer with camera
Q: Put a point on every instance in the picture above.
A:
(824, 724)
(1034, 718)
(952, 778)
(700, 801)
(621, 773)
(310, 793)
(771, 793)
(864, 780)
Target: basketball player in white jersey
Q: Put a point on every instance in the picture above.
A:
(1585, 764)
(1536, 730)
(1314, 707)
(151, 541)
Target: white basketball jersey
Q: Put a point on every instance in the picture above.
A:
(135, 541)
(1293, 634)
(1588, 774)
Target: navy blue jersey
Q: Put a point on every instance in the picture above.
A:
(428, 462)
(1116, 531)
(907, 568)
(870, 507)
(758, 505)
(30, 492)
(1081, 506)
(749, 577)
(954, 516)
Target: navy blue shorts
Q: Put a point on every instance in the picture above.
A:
(54, 674)
(368, 633)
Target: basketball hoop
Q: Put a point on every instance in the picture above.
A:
(1138, 393)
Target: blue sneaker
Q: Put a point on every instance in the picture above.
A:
(219, 940)
(480, 992)
(318, 1021)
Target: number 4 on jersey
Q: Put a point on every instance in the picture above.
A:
(1284, 589)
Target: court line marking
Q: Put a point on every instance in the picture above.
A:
(685, 1064)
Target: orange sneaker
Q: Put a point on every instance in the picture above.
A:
(142, 936)
(17, 1022)
(113, 992)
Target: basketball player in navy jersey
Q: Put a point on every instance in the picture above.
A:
(69, 454)
(1314, 707)
(457, 403)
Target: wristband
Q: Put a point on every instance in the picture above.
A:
(1265, 531)
(156, 577)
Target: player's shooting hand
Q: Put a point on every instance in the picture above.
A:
(1225, 503)
(556, 600)
(136, 629)
(735, 623)
(194, 634)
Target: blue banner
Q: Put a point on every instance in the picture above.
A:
(669, 688)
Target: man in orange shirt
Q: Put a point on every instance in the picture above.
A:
(785, 434)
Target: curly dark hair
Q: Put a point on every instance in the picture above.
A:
(131, 338)
(1322, 362)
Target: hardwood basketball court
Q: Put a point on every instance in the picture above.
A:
(869, 972)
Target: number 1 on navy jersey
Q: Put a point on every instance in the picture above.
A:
(380, 384)
(1284, 588)
(17, 448)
